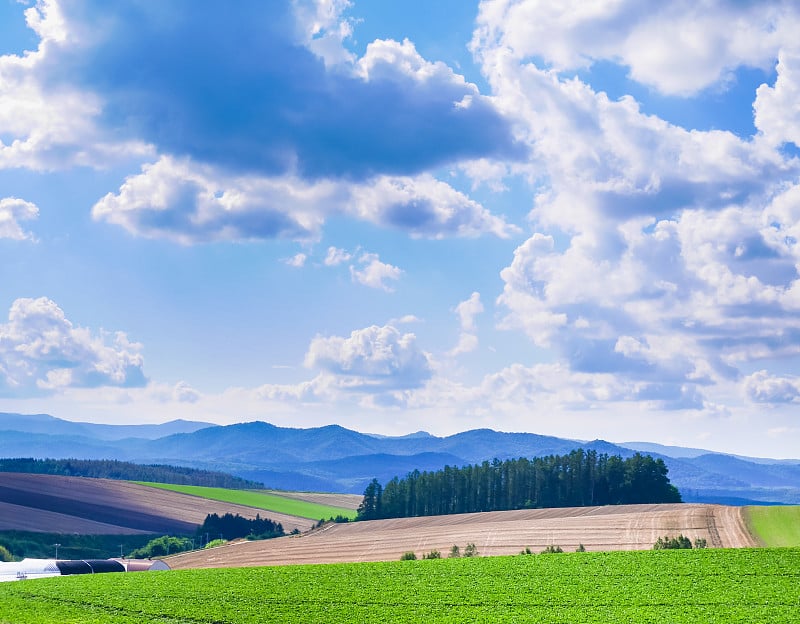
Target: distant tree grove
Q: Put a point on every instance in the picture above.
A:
(581, 478)
(126, 471)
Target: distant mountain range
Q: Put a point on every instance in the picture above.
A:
(336, 459)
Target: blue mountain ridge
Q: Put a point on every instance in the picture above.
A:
(336, 459)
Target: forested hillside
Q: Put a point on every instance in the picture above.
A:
(578, 479)
(126, 471)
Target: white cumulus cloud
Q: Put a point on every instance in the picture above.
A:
(762, 387)
(678, 47)
(372, 359)
(12, 211)
(467, 311)
(42, 351)
(374, 273)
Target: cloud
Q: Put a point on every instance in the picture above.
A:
(677, 47)
(259, 90)
(337, 256)
(45, 125)
(374, 273)
(42, 351)
(467, 311)
(12, 211)
(297, 261)
(374, 359)
(187, 202)
(251, 128)
(761, 387)
(776, 113)
(665, 257)
(181, 201)
(425, 207)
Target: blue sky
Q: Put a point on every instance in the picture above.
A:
(558, 217)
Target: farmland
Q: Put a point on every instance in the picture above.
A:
(714, 585)
(259, 500)
(619, 527)
(51, 503)
(775, 526)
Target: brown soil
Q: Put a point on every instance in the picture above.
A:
(17, 518)
(347, 501)
(625, 527)
(120, 503)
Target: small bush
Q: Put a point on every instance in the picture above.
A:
(5, 554)
(580, 548)
(434, 554)
(672, 543)
(455, 552)
(470, 550)
(162, 546)
(215, 543)
(408, 556)
(551, 549)
(526, 551)
(700, 542)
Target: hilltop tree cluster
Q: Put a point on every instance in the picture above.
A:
(581, 478)
(230, 526)
(126, 471)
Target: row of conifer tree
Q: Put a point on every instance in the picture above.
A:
(581, 478)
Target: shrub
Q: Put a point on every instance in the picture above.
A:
(455, 552)
(5, 554)
(526, 551)
(470, 550)
(672, 543)
(408, 556)
(215, 543)
(161, 546)
(580, 548)
(700, 542)
(434, 554)
(551, 549)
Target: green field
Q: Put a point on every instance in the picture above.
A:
(259, 500)
(686, 586)
(775, 526)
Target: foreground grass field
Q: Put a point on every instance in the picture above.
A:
(724, 586)
(775, 526)
(259, 500)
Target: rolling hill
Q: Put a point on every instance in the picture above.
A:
(336, 459)
(620, 527)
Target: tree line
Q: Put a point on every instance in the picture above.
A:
(229, 526)
(581, 478)
(127, 471)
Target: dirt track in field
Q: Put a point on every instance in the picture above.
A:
(624, 527)
(126, 506)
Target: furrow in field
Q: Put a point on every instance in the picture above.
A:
(624, 527)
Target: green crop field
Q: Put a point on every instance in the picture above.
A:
(688, 586)
(259, 500)
(775, 526)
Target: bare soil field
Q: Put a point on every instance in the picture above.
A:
(18, 518)
(348, 501)
(125, 506)
(624, 527)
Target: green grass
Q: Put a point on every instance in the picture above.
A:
(775, 526)
(259, 500)
(689, 586)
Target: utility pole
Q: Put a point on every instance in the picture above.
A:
(56, 545)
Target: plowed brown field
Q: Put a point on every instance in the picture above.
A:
(624, 527)
(119, 506)
(347, 501)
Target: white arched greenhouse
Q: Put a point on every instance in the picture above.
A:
(42, 568)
